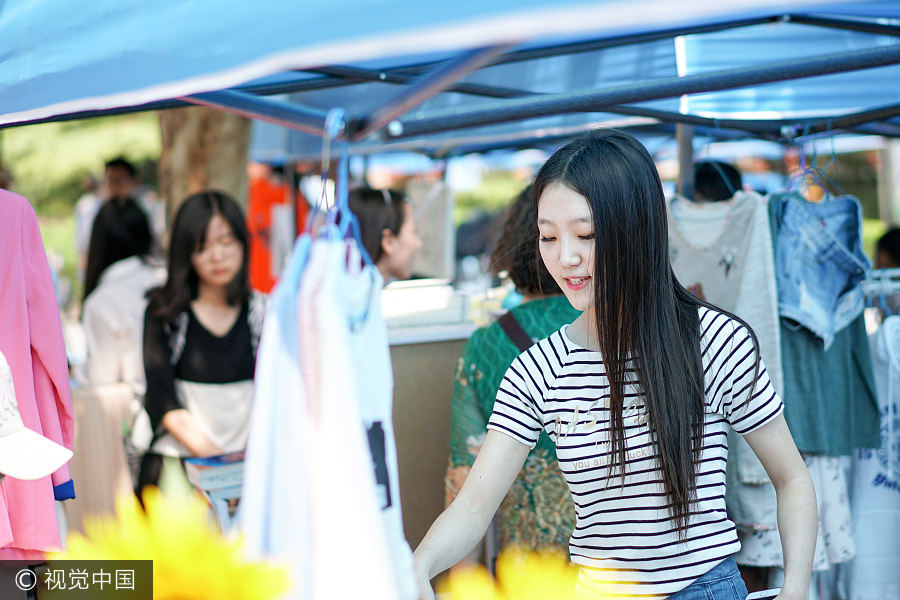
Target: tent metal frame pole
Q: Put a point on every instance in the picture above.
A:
(292, 116)
(770, 129)
(534, 53)
(423, 88)
(845, 24)
(359, 75)
(765, 128)
(669, 87)
(684, 135)
(817, 126)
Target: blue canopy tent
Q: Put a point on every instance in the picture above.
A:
(468, 74)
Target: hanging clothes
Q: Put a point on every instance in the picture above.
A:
(323, 403)
(834, 536)
(832, 407)
(722, 253)
(33, 344)
(274, 512)
(818, 250)
(829, 389)
(347, 528)
(370, 356)
(875, 483)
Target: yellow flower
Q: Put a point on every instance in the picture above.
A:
(527, 575)
(521, 575)
(190, 559)
(469, 583)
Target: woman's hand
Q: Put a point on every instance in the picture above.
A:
(422, 580)
(180, 423)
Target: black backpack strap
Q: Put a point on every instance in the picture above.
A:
(515, 332)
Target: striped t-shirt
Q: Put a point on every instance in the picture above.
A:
(624, 537)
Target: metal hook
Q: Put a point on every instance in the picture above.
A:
(335, 124)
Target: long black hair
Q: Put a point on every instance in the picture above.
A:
(645, 318)
(120, 231)
(188, 234)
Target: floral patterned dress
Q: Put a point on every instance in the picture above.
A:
(538, 511)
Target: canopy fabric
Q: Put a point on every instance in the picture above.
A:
(66, 60)
(60, 56)
(746, 46)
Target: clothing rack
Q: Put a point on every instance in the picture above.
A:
(881, 282)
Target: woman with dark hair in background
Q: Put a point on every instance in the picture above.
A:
(201, 331)
(120, 231)
(388, 230)
(537, 512)
(638, 394)
(119, 272)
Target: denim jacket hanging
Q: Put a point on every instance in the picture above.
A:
(819, 261)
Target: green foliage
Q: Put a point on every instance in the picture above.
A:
(872, 230)
(497, 190)
(49, 161)
(58, 234)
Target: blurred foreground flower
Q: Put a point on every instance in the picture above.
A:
(521, 575)
(190, 559)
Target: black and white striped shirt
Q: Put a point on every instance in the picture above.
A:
(624, 537)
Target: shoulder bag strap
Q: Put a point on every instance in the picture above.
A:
(515, 332)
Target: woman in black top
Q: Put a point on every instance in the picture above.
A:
(201, 331)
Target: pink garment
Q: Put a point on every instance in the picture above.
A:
(33, 344)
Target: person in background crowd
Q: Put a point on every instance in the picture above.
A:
(715, 181)
(119, 179)
(119, 272)
(388, 230)
(638, 394)
(537, 512)
(887, 256)
(887, 250)
(201, 332)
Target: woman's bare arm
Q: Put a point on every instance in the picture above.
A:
(797, 511)
(456, 531)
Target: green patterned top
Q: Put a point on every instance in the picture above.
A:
(538, 510)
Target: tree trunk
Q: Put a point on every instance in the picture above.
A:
(202, 148)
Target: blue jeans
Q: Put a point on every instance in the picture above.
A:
(722, 582)
(819, 261)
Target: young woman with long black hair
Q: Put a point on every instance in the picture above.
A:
(637, 394)
(201, 331)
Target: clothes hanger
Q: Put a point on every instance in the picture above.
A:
(811, 176)
(340, 222)
(334, 124)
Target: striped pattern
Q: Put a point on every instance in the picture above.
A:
(623, 538)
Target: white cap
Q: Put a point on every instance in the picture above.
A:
(24, 454)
